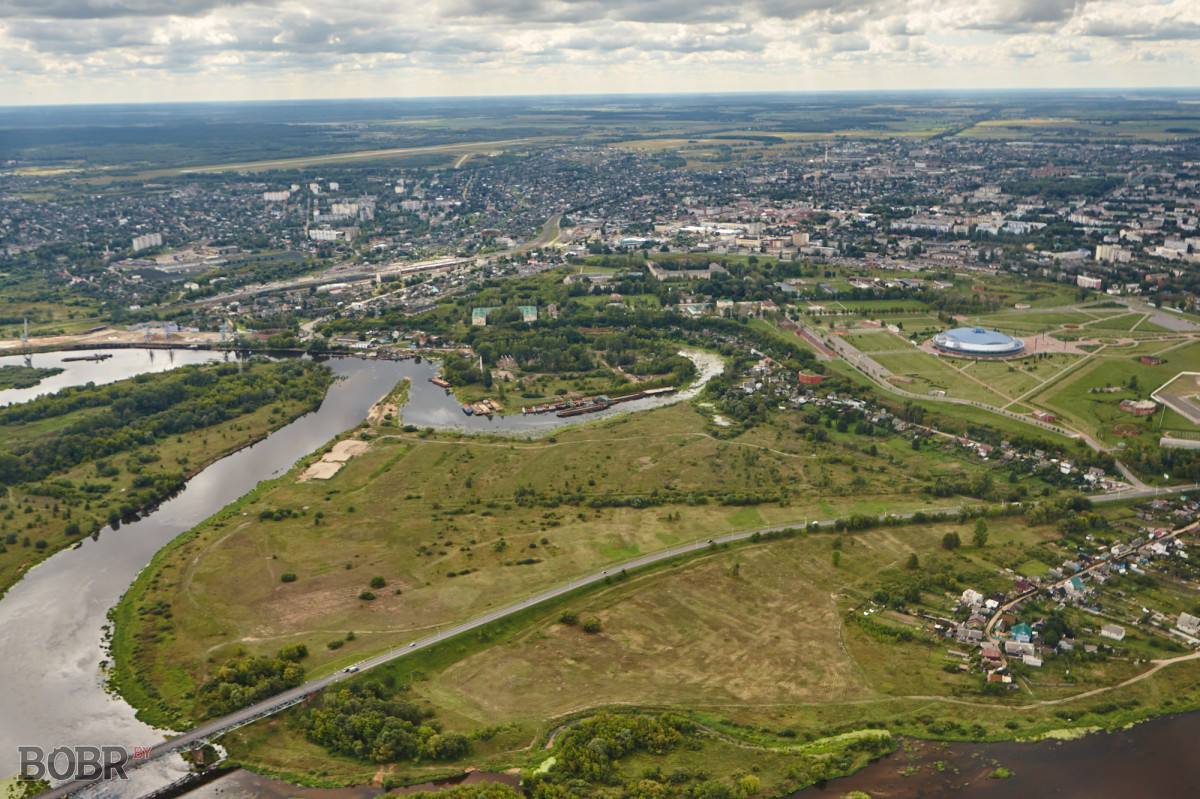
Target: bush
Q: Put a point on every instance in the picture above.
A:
(366, 596)
(378, 582)
(569, 617)
(592, 624)
(336, 643)
(287, 577)
(244, 680)
(951, 541)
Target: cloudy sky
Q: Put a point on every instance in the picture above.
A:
(55, 51)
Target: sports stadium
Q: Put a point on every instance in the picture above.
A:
(978, 342)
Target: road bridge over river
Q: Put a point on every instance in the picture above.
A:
(211, 730)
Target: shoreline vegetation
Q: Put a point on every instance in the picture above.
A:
(89, 457)
(24, 376)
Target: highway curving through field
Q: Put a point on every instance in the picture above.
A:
(217, 727)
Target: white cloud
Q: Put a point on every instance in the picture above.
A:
(76, 50)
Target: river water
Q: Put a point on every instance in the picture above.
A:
(430, 406)
(51, 623)
(123, 364)
(51, 686)
(1155, 760)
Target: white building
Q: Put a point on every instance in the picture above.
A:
(324, 234)
(1089, 282)
(276, 196)
(1112, 252)
(146, 241)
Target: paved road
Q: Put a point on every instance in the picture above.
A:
(216, 727)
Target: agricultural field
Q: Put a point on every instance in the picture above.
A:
(1056, 127)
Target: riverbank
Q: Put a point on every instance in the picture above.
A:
(52, 689)
(13, 376)
(64, 506)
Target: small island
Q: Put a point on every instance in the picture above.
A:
(24, 376)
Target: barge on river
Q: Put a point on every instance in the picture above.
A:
(566, 408)
(96, 356)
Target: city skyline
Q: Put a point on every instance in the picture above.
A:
(73, 51)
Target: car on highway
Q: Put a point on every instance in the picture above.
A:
(350, 669)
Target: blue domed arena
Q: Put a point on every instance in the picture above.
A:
(978, 342)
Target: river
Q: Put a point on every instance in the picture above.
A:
(51, 622)
(123, 364)
(1156, 759)
(430, 406)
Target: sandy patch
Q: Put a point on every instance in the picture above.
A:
(331, 462)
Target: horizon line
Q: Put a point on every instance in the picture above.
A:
(581, 95)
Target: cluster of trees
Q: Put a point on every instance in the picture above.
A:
(363, 721)
(1150, 459)
(590, 750)
(148, 408)
(244, 680)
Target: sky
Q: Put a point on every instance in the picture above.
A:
(73, 51)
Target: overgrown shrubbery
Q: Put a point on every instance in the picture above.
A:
(362, 721)
(245, 680)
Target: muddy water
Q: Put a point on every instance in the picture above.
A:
(1159, 759)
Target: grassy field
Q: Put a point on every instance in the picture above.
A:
(482, 524)
(934, 374)
(758, 643)
(876, 342)
(1073, 398)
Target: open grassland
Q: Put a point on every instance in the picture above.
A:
(930, 373)
(1008, 377)
(761, 644)
(877, 342)
(458, 525)
(762, 625)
